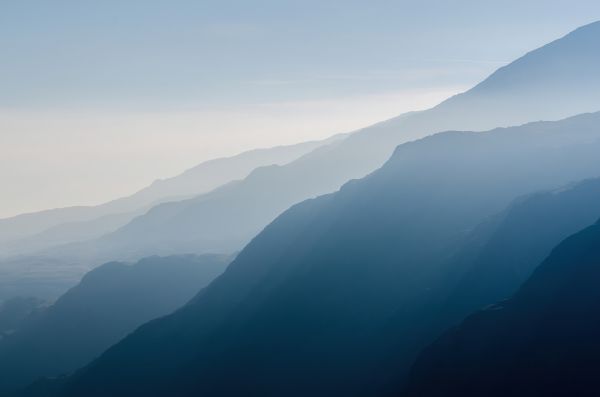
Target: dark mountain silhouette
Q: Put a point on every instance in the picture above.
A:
(305, 307)
(541, 342)
(108, 303)
(555, 81)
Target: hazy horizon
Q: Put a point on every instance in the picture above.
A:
(89, 114)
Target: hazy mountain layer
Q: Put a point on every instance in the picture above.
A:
(110, 302)
(555, 81)
(62, 225)
(14, 311)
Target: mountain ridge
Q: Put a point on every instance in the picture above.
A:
(181, 186)
(329, 274)
(327, 168)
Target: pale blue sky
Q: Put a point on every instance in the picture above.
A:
(92, 88)
(108, 52)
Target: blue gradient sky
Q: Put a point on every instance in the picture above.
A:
(92, 88)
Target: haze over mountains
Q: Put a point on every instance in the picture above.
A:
(356, 256)
(37, 230)
(542, 85)
(26, 266)
(508, 97)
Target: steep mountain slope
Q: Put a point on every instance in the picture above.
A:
(97, 220)
(110, 302)
(521, 237)
(303, 309)
(555, 81)
(541, 342)
(497, 257)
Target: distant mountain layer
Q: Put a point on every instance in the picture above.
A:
(541, 342)
(14, 311)
(110, 302)
(63, 225)
(555, 81)
(317, 301)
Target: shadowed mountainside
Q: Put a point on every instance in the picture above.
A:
(541, 342)
(497, 257)
(522, 237)
(108, 303)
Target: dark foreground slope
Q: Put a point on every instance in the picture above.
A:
(503, 252)
(544, 341)
(110, 302)
(305, 308)
(495, 260)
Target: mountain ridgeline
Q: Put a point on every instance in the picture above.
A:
(43, 254)
(550, 83)
(35, 231)
(315, 303)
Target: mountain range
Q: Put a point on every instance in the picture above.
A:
(226, 219)
(354, 258)
(34, 231)
(552, 82)
(31, 266)
(314, 303)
